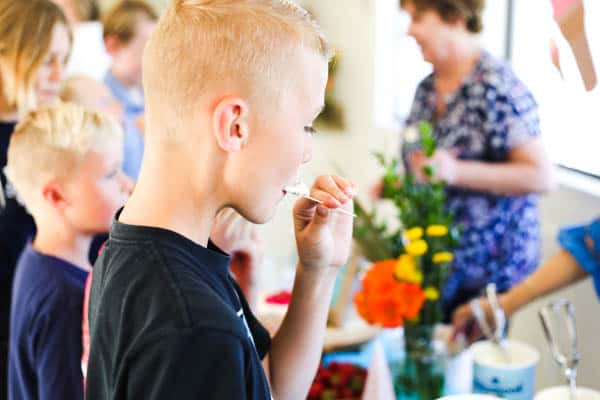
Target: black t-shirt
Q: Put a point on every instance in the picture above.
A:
(167, 321)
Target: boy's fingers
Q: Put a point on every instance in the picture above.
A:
(345, 185)
(328, 184)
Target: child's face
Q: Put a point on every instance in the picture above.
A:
(50, 75)
(280, 140)
(96, 192)
(127, 58)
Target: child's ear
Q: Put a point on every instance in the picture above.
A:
(230, 123)
(54, 195)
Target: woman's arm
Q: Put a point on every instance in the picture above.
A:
(559, 271)
(528, 170)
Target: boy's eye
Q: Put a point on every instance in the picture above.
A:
(310, 129)
(112, 174)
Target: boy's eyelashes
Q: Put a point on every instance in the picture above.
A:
(310, 129)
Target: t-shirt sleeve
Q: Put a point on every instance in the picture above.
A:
(189, 365)
(583, 243)
(57, 352)
(511, 118)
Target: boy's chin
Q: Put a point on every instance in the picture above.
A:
(260, 215)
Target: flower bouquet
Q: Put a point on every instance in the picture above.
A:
(409, 268)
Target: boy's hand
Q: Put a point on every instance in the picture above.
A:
(323, 237)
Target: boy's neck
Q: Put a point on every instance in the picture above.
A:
(171, 205)
(64, 244)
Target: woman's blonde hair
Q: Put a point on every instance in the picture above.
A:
(25, 37)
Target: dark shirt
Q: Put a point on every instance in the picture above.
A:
(168, 321)
(45, 329)
(16, 228)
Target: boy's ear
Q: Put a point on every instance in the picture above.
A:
(112, 44)
(54, 195)
(230, 123)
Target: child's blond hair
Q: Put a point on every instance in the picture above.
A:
(50, 143)
(25, 34)
(250, 45)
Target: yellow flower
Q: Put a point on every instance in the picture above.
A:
(437, 230)
(406, 270)
(431, 293)
(443, 257)
(417, 248)
(413, 234)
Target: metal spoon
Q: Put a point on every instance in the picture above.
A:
(497, 335)
(301, 190)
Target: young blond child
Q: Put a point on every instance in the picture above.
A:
(232, 88)
(127, 28)
(65, 163)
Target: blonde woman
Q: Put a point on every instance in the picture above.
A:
(35, 41)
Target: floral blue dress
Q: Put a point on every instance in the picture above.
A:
(490, 114)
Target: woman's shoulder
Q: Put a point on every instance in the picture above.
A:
(497, 75)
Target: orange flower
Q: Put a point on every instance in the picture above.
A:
(385, 300)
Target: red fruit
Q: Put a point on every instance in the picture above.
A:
(347, 369)
(316, 390)
(346, 393)
(326, 375)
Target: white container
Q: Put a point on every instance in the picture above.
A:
(512, 379)
(562, 392)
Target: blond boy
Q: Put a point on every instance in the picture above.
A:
(232, 88)
(65, 165)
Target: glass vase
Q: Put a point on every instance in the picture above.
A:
(419, 374)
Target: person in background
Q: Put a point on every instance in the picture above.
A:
(127, 27)
(32, 64)
(72, 195)
(490, 151)
(89, 57)
(578, 258)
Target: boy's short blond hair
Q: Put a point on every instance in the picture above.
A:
(50, 143)
(121, 20)
(251, 45)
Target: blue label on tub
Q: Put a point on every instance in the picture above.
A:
(514, 384)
